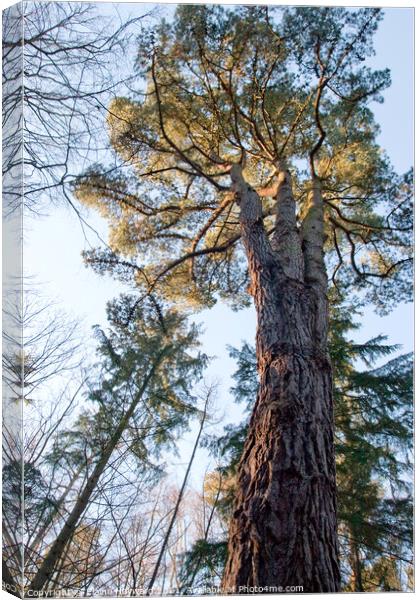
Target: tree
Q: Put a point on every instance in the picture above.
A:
(254, 127)
(83, 463)
(373, 412)
(42, 384)
(142, 397)
(180, 495)
(202, 565)
(69, 58)
(374, 443)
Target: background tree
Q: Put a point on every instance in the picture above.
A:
(255, 127)
(83, 464)
(203, 563)
(142, 398)
(41, 365)
(180, 494)
(374, 421)
(71, 58)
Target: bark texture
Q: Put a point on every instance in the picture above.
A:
(283, 531)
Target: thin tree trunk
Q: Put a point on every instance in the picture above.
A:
(54, 514)
(356, 567)
(178, 501)
(283, 531)
(205, 538)
(55, 552)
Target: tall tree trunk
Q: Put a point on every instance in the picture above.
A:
(283, 531)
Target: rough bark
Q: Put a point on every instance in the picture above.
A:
(286, 239)
(283, 531)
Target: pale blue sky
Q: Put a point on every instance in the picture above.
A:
(54, 243)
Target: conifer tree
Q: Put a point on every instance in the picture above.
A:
(374, 444)
(255, 170)
(139, 396)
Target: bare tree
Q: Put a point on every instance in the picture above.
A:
(208, 398)
(42, 382)
(62, 61)
(47, 347)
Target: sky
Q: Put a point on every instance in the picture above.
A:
(53, 244)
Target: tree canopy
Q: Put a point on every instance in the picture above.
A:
(272, 89)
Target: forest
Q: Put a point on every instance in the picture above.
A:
(185, 175)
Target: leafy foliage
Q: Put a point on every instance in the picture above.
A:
(127, 355)
(108, 457)
(264, 86)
